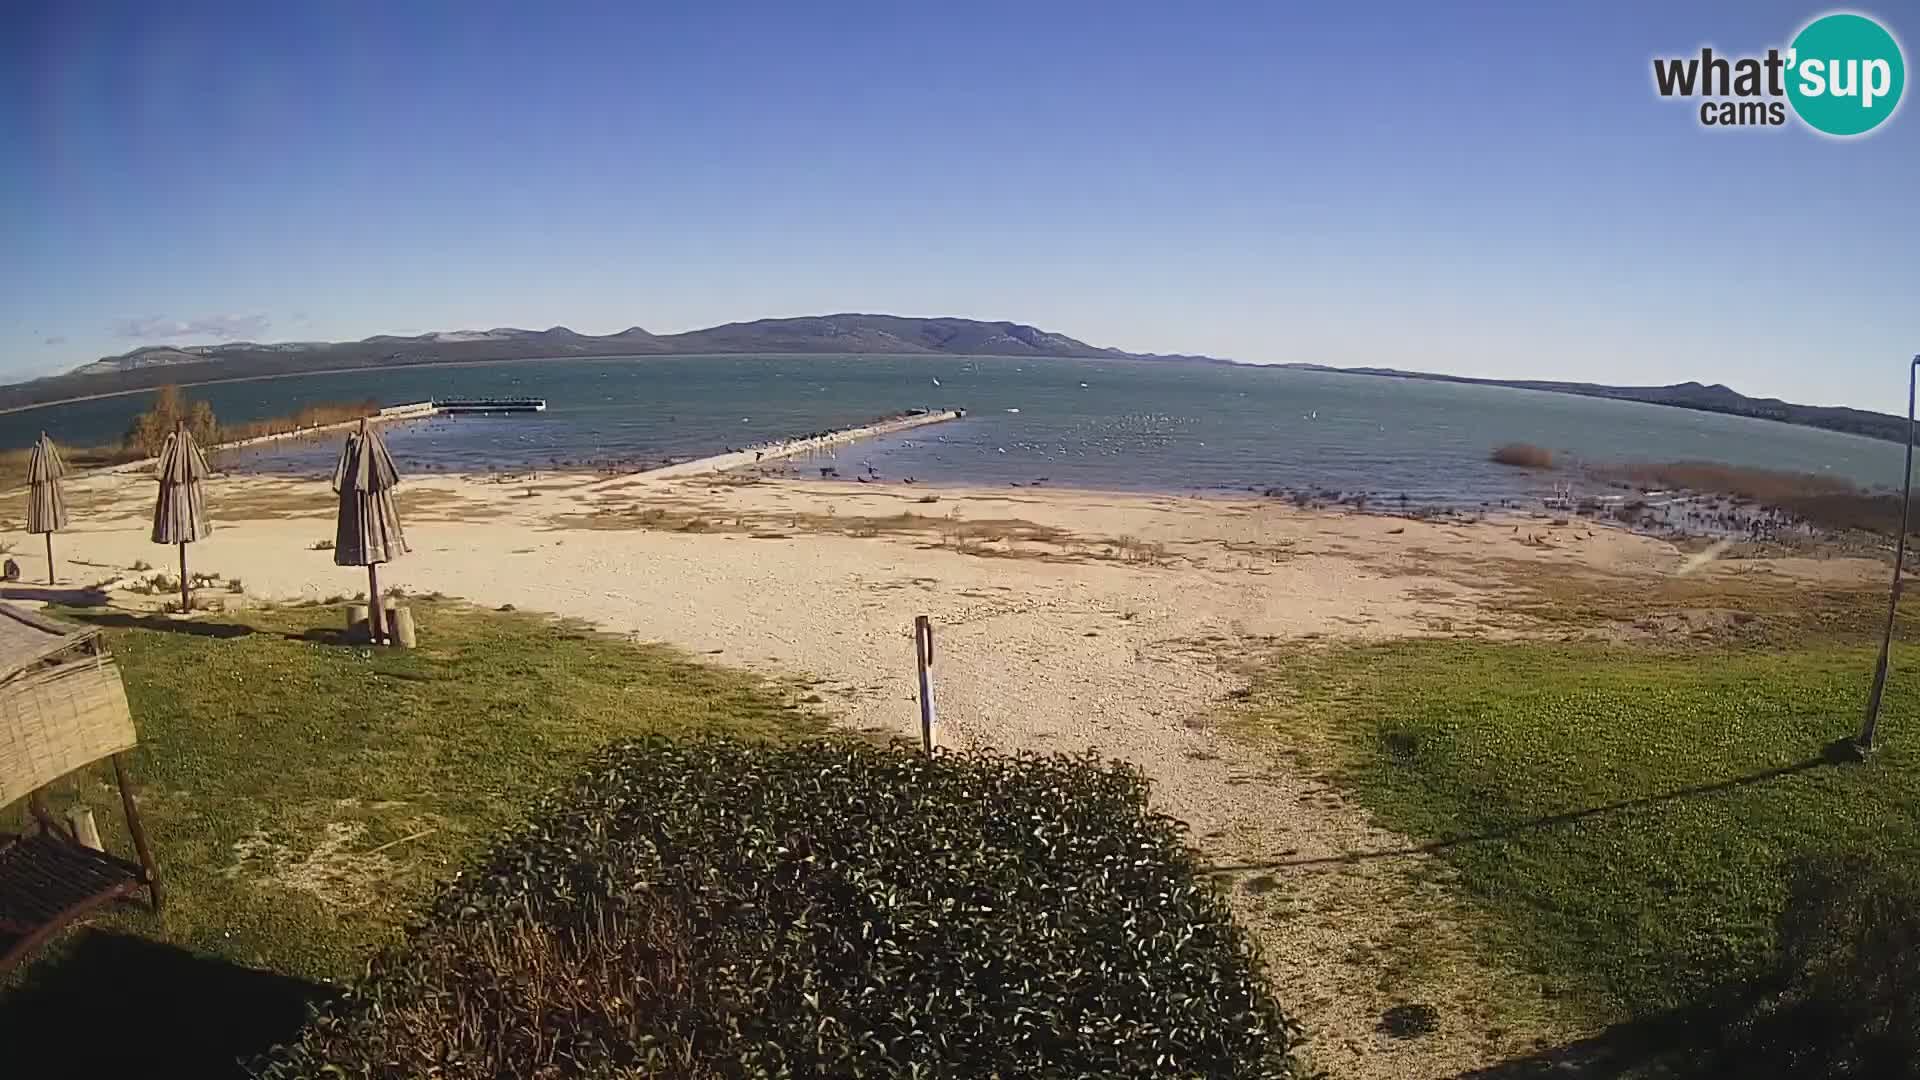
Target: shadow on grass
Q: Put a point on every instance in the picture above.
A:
(116, 1005)
(327, 636)
(72, 596)
(1834, 754)
(1660, 1047)
(121, 620)
(1734, 1032)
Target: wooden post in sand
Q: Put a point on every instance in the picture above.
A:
(400, 625)
(923, 652)
(86, 831)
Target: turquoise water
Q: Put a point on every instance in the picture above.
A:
(1093, 423)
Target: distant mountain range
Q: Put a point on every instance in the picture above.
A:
(1716, 398)
(157, 365)
(814, 334)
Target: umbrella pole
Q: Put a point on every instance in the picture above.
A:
(376, 625)
(49, 558)
(186, 601)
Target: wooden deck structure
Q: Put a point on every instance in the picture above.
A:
(62, 707)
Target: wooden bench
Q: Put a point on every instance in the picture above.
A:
(62, 708)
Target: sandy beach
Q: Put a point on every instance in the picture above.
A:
(1065, 621)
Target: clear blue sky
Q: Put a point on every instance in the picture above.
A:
(1491, 191)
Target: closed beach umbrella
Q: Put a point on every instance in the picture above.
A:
(367, 532)
(180, 513)
(46, 504)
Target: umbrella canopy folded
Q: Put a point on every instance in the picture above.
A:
(180, 513)
(368, 528)
(46, 504)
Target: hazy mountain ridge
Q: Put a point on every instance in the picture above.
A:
(1714, 397)
(823, 333)
(156, 365)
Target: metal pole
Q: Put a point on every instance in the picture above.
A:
(1872, 722)
(49, 558)
(186, 600)
(923, 652)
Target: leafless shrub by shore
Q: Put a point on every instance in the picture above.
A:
(1827, 502)
(1523, 456)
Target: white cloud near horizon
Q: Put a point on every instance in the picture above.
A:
(207, 326)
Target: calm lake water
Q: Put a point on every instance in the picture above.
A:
(1080, 423)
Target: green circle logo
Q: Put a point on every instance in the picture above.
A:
(1845, 74)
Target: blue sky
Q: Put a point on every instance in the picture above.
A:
(1491, 192)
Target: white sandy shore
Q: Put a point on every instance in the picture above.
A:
(1066, 621)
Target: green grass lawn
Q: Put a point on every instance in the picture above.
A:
(304, 796)
(1625, 814)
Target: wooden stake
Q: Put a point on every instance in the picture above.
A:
(139, 833)
(923, 653)
(37, 805)
(400, 621)
(376, 623)
(49, 558)
(186, 599)
(85, 832)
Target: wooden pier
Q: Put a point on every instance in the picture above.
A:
(471, 406)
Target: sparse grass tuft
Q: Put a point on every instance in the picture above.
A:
(1132, 549)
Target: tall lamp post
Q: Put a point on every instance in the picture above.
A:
(1865, 741)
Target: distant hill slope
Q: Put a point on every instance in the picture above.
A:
(1687, 395)
(152, 366)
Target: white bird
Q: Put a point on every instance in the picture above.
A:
(936, 382)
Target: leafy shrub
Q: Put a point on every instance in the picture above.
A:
(149, 430)
(716, 909)
(1523, 455)
(1844, 997)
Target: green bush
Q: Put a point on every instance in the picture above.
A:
(1844, 997)
(718, 909)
